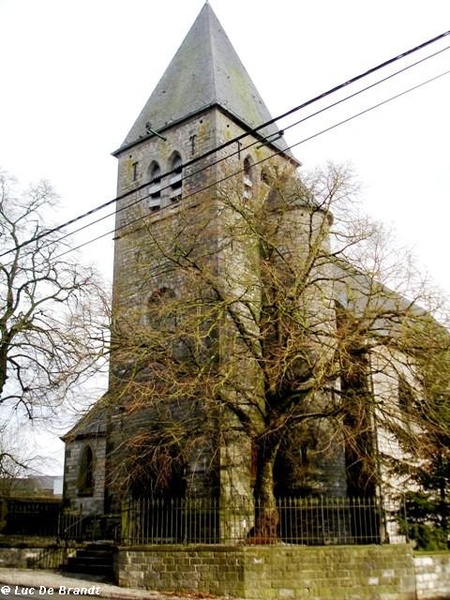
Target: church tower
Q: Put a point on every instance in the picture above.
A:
(204, 107)
(214, 233)
(201, 126)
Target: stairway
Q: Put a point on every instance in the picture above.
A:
(95, 559)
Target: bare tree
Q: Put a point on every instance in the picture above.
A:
(16, 461)
(274, 320)
(51, 307)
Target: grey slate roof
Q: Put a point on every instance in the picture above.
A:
(205, 71)
(93, 423)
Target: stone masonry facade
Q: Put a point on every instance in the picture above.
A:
(297, 573)
(182, 212)
(91, 502)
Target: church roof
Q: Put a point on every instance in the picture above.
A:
(92, 424)
(206, 71)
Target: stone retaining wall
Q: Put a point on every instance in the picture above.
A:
(274, 573)
(28, 558)
(432, 576)
(36, 553)
(269, 573)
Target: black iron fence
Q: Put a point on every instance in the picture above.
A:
(83, 528)
(47, 518)
(30, 517)
(309, 521)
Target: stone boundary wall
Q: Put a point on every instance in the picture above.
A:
(34, 555)
(273, 573)
(432, 576)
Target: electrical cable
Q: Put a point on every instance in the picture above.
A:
(212, 184)
(331, 127)
(239, 137)
(244, 148)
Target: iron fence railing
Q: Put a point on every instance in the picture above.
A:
(47, 518)
(309, 521)
(83, 528)
(30, 517)
(49, 558)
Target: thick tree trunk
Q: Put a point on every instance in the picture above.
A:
(266, 510)
(3, 366)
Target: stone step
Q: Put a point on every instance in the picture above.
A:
(94, 559)
(104, 571)
(91, 560)
(95, 553)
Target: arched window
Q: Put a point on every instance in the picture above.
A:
(248, 177)
(265, 177)
(154, 189)
(160, 309)
(86, 472)
(176, 178)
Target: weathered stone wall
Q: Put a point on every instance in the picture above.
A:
(260, 573)
(432, 576)
(143, 244)
(41, 556)
(134, 272)
(94, 503)
(268, 573)
(215, 570)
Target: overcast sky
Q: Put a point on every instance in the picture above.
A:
(75, 76)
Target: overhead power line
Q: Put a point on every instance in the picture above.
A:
(226, 144)
(244, 148)
(304, 140)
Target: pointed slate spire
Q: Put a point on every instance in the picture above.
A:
(206, 71)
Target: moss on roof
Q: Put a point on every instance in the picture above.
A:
(206, 71)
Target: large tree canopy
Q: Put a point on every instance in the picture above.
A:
(272, 318)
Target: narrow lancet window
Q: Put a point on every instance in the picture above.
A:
(176, 178)
(154, 190)
(248, 178)
(86, 473)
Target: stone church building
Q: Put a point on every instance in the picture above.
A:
(204, 128)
